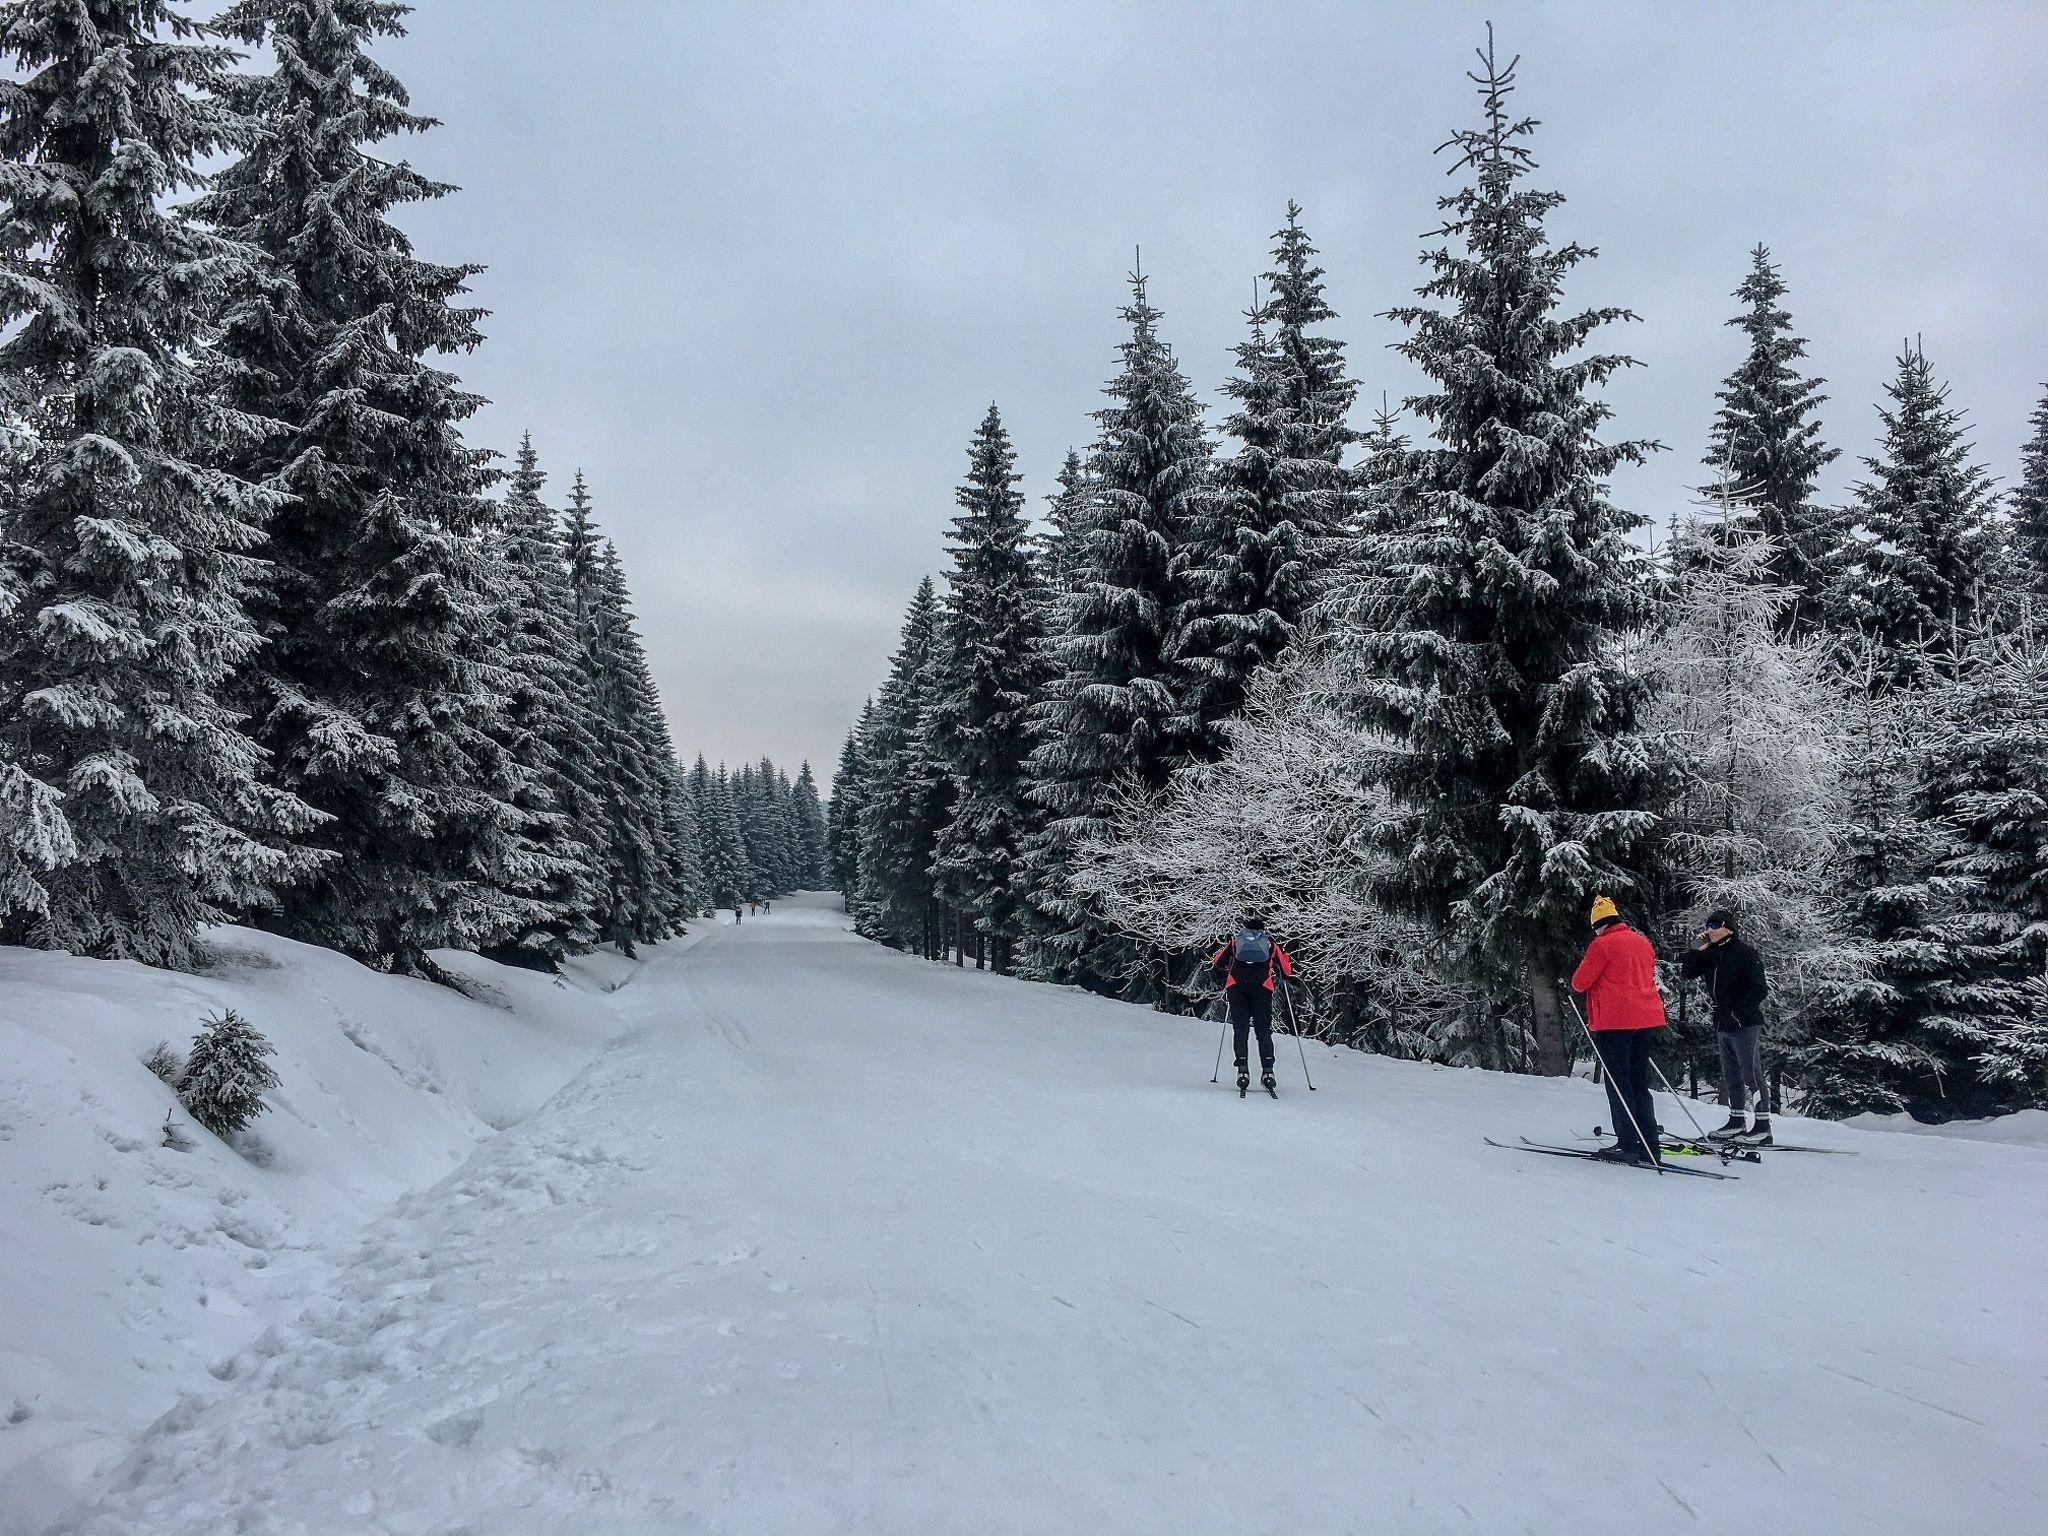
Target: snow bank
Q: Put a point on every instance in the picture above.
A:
(2028, 1128)
(129, 1268)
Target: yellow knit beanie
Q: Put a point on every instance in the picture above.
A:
(1603, 909)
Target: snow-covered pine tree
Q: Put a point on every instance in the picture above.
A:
(227, 1074)
(1766, 437)
(138, 810)
(1903, 1033)
(1265, 543)
(726, 874)
(1489, 636)
(2030, 514)
(648, 881)
(842, 822)
(1920, 539)
(374, 695)
(810, 821)
(547, 725)
(1985, 775)
(908, 794)
(1066, 517)
(989, 676)
(1380, 476)
(1112, 706)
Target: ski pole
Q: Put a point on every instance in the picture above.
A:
(1654, 1154)
(1681, 1099)
(1219, 1051)
(1287, 996)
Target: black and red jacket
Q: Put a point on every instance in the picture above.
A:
(1223, 968)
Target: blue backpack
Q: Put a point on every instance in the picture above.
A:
(1252, 947)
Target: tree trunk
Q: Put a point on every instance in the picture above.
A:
(1546, 1011)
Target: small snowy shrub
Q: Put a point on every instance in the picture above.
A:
(222, 1087)
(165, 1063)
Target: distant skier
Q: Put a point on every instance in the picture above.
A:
(1734, 974)
(1618, 977)
(1245, 967)
(752, 905)
(735, 914)
(767, 908)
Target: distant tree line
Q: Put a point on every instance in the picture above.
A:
(270, 649)
(1417, 700)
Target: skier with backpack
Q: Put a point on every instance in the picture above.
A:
(1245, 967)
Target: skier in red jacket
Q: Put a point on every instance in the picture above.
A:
(1618, 978)
(1245, 966)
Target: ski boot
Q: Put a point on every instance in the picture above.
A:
(1727, 1132)
(1244, 1081)
(1758, 1135)
(1266, 1082)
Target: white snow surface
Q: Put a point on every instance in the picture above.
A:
(2027, 1128)
(837, 1240)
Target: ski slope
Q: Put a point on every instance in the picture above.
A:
(837, 1240)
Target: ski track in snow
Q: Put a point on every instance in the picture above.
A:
(840, 1240)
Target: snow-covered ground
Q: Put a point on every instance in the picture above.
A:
(839, 1240)
(127, 1268)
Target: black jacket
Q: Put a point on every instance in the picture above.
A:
(1734, 974)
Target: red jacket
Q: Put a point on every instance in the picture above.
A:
(1219, 965)
(1619, 978)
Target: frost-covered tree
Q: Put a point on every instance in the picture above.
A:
(227, 1074)
(1920, 540)
(989, 673)
(2030, 513)
(1066, 518)
(908, 792)
(1752, 719)
(1766, 438)
(1112, 707)
(138, 811)
(1489, 628)
(374, 695)
(1276, 827)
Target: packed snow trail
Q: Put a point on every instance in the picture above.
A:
(845, 1241)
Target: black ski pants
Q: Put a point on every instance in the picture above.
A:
(1625, 1057)
(1252, 1007)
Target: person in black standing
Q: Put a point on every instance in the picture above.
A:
(1734, 974)
(1245, 966)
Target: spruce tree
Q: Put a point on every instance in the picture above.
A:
(138, 810)
(1066, 519)
(1113, 710)
(227, 1074)
(1902, 1034)
(374, 696)
(2030, 514)
(842, 825)
(908, 794)
(1766, 439)
(1920, 542)
(810, 822)
(547, 723)
(988, 678)
(1985, 775)
(1490, 641)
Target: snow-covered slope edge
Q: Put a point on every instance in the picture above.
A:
(128, 1268)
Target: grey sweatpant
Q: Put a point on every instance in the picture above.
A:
(1742, 1069)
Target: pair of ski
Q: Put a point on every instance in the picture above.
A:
(1743, 1150)
(1526, 1145)
(1244, 1087)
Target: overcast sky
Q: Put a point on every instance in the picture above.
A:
(759, 268)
